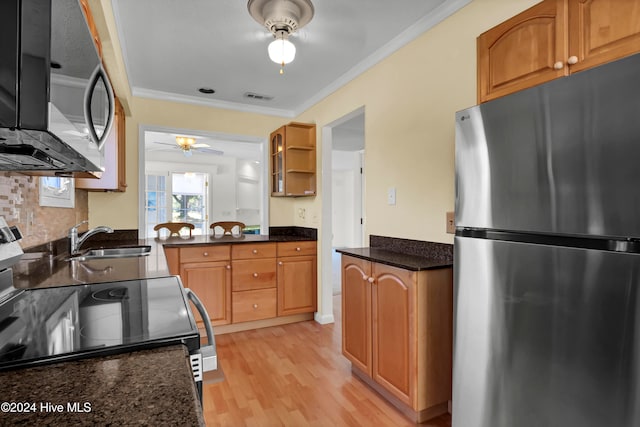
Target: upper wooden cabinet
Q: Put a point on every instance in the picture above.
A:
(114, 176)
(553, 39)
(293, 160)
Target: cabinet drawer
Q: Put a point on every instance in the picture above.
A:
(296, 248)
(260, 250)
(254, 305)
(253, 274)
(204, 253)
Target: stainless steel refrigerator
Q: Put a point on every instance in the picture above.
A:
(547, 255)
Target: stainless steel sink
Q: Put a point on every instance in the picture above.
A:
(122, 252)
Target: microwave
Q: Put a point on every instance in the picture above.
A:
(56, 101)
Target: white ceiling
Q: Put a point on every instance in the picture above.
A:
(171, 48)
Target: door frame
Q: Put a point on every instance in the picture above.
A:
(325, 315)
(264, 150)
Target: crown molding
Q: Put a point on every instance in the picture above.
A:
(411, 33)
(194, 100)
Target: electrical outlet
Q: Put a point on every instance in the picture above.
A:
(451, 226)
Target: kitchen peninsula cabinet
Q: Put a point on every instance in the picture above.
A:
(252, 284)
(554, 39)
(297, 283)
(207, 271)
(397, 333)
(293, 160)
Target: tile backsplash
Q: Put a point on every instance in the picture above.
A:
(19, 205)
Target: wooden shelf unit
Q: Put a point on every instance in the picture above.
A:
(293, 160)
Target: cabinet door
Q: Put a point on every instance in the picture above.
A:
(277, 162)
(523, 51)
(602, 31)
(356, 312)
(394, 331)
(297, 292)
(211, 281)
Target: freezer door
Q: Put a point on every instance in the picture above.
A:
(559, 158)
(545, 336)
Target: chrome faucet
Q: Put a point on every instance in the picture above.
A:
(76, 241)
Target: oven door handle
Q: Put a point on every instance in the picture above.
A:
(208, 352)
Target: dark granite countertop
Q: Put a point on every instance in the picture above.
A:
(41, 269)
(414, 255)
(124, 389)
(396, 259)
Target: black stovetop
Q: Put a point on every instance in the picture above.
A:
(42, 326)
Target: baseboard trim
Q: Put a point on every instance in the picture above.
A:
(265, 323)
(324, 319)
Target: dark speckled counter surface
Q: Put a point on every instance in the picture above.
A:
(119, 390)
(42, 268)
(414, 255)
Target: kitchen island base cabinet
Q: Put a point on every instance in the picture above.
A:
(249, 285)
(211, 281)
(397, 333)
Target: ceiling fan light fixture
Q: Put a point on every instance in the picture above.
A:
(185, 142)
(282, 51)
(282, 18)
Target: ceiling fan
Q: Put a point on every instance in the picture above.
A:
(188, 145)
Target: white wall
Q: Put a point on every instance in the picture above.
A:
(346, 198)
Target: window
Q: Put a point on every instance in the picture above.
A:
(176, 197)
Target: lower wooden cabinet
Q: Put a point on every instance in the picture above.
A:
(397, 333)
(248, 282)
(211, 281)
(254, 305)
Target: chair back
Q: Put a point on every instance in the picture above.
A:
(227, 227)
(174, 227)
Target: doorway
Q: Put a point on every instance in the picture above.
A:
(222, 177)
(343, 188)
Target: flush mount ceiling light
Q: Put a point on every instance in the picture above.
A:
(282, 18)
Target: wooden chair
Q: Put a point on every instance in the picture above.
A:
(227, 227)
(174, 227)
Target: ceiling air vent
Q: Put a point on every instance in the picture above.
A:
(257, 96)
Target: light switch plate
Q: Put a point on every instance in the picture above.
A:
(451, 226)
(391, 196)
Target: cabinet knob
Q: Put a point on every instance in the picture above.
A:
(572, 60)
(280, 263)
(255, 306)
(298, 249)
(255, 251)
(255, 274)
(558, 65)
(228, 267)
(371, 280)
(205, 254)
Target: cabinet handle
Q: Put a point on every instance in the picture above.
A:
(228, 267)
(255, 274)
(205, 254)
(371, 280)
(572, 60)
(280, 263)
(255, 306)
(558, 65)
(298, 249)
(255, 251)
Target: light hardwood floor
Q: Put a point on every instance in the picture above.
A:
(294, 375)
